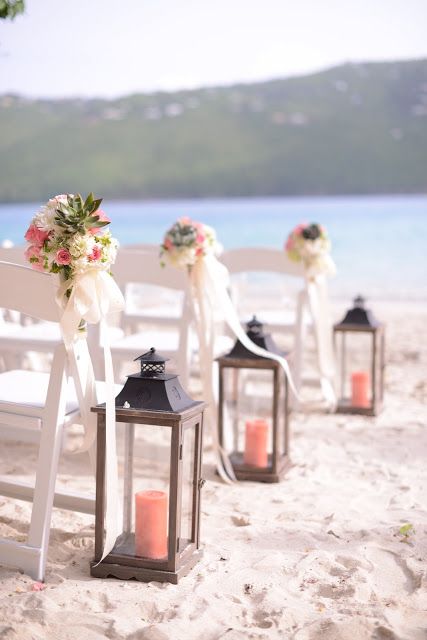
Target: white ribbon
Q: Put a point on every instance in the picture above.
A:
(209, 281)
(203, 312)
(94, 295)
(320, 311)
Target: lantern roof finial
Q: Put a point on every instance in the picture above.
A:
(152, 356)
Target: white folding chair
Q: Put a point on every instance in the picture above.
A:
(288, 315)
(163, 322)
(35, 407)
(21, 338)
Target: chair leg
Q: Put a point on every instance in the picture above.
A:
(47, 465)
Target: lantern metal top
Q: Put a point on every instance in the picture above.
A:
(358, 317)
(152, 364)
(255, 332)
(153, 390)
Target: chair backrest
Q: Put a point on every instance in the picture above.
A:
(27, 291)
(260, 259)
(266, 280)
(146, 247)
(13, 254)
(33, 293)
(133, 266)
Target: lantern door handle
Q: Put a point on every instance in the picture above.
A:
(202, 483)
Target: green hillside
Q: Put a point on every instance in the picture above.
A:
(357, 128)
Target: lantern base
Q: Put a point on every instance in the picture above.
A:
(244, 471)
(345, 406)
(125, 572)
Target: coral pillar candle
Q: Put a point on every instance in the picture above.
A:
(151, 539)
(360, 389)
(256, 443)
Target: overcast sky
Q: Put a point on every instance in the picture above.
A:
(112, 48)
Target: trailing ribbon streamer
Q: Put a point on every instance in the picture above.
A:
(203, 313)
(319, 307)
(94, 295)
(209, 280)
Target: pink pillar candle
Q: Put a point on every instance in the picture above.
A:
(256, 443)
(360, 389)
(151, 539)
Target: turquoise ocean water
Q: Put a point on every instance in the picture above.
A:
(378, 243)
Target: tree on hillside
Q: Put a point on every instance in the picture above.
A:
(11, 8)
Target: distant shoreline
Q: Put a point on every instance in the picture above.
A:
(258, 198)
(348, 131)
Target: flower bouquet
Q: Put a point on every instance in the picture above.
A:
(310, 244)
(66, 236)
(186, 241)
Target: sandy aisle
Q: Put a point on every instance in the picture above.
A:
(315, 557)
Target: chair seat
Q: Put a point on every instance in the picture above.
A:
(24, 393)
(33, 337)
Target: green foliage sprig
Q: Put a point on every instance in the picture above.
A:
(11, 8)
(405, 531)
(78, 215)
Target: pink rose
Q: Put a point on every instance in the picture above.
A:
(289, 244)
(96, 254)
(33, 255)
(200, 238)
(103, 218)
(36, 236)
(37, 266)
(168, 244)
(199, 251)
(184, 220)
(32, 251)
(63, 257)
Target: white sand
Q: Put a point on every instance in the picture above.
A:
(317, 557)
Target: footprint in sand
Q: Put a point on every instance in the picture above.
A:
(389, 571)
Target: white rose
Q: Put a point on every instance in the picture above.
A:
(81, 246)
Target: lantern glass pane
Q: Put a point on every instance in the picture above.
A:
(144, 454)
(354, 366)
(248, 397)
(188, 487)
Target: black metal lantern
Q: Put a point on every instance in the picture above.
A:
(159, 478)
(253, 409)
(359, 344)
